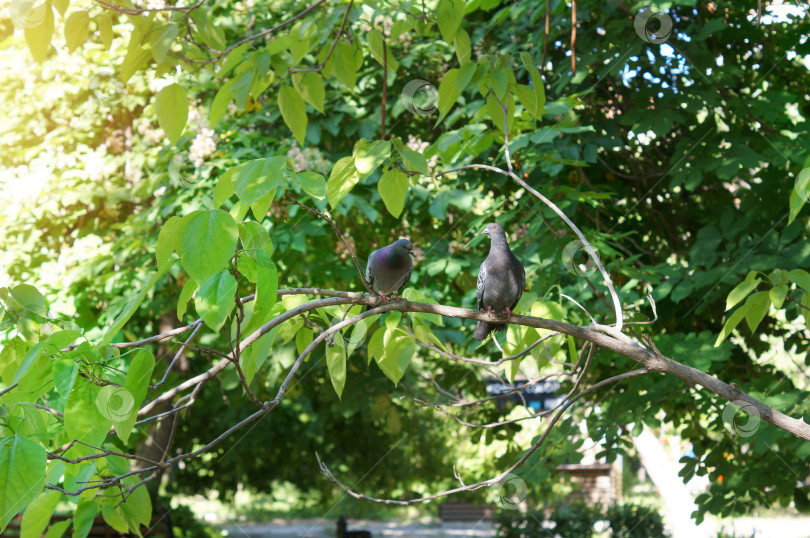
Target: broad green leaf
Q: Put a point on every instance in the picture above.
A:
(240, 89)
(83, 413)
(375, 45)
(137, 382)
(28, 360)
(731, 323)
(161, 41)
(38, 32)
(255, 356)
(22, 475)
(254, 238)
(294, 112)
(30, 298)
(778, 294)
(313, 184)
(537, 83)
(132, 306)
(11, 357)
(220, 103)
(83, 517)
(223, 189)
(397, 356)
(138, 507)
(393, 186)
(345, 65)
(57, 529)
(741, 291)
(185, 295)
(114, 517)
(252, 180)
(215, 299)
(343, 178)
(38, 514)
(266, 286)
(138, 55)
(310, 86)
(500, 82)
(165, 242)
(261, 206)
(376, 346)
(105, 30)
(60, 5)
(414, 161)
(171, 107)
(800, 277)
(448, 93)
(369, 155)
(462, 45)
(64, 374)
(61, 339)
(206, 241)
(528, 98)
(448, 17)
(76, 29)
(336, 364)
(497, 114)
(756, 307)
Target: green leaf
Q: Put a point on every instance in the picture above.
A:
(38, 514)
(398, 354)
(369, 155)
(414, 161)
(462, 45)
(114, 517)
(138, 56)
(313, 184)
(137, 382)
(57, 529)
(39, 36)
(30, 299)
(733, 320)
(240, 89)
(64, 374)
(60, 5)
(76, 29)
(453, 83)
(165, 242)
(778, 294)
(215, 299)
(223, 189)
(336, 364)
(294, 112)
(741, 291)
(138, 507)
(171, 107)
(537, 83)
(497, 114)
(800, 277)
(342, 180)
(500, 82)
(261, 206)
(528, 98)
(254, 238)
(252, 180)
(310, 86)
(105, 30)
(756, 307)
(393, 186)
(161, 41)
(345, 66)
(206, 241)
(266, 287)
(375, 46)
(185, 295)
(448, 17)
(22, 475)
(83, 517)
(220, 103)
(83, 418)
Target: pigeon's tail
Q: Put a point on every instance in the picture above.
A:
(483, 329)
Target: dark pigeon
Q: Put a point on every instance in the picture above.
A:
(500, 281)
(389, 268)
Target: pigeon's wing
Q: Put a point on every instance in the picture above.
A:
(479, 288)
(370, 271)
(405, 280)
(520, 274)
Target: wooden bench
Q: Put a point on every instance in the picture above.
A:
(461, 511)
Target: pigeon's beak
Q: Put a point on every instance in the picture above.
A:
(485, 232)
(410, 252)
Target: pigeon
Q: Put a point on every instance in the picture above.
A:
(389, 268)
(500, 281)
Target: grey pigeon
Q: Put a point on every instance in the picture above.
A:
(500, 280)
(389, 268)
